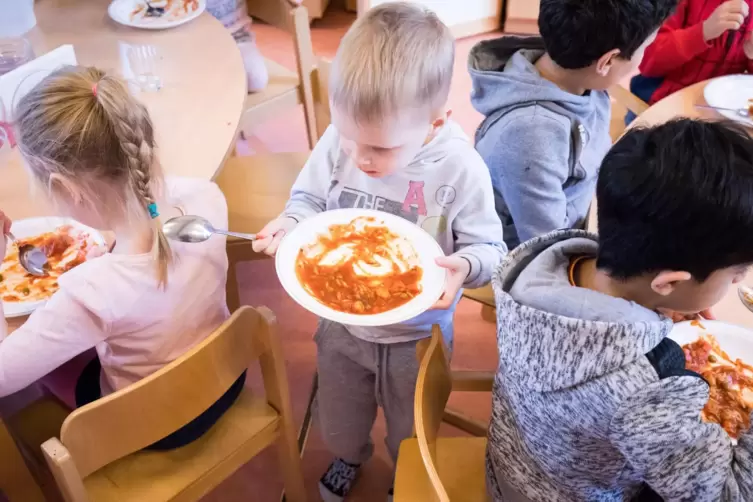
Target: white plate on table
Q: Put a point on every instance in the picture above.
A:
(736, 341)
(306, 233)
(122, 11)
(36, 226)
(731, 91)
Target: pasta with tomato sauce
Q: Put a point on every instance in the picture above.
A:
(730, 384)
(360, 268)
(64, 248)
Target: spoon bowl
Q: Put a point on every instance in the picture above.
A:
(194, 229)
(31, 258)
(746, 296)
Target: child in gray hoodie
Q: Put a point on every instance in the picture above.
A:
(592, 401)
(547, 111)
(391, 147)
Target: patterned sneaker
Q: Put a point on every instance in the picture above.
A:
(337, 481)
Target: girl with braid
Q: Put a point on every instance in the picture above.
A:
(89, 147)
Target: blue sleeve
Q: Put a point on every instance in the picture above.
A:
(528, 157)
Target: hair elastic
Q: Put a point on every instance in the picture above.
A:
(94, 89)
(153, 210)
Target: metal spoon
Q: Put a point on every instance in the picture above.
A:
(31, 258)
(746, 296)
(742, 112)
(196, 229)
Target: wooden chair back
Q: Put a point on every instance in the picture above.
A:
(151, 409)
(623, 101)
(320, 79)
(433, 389)
(628, 99)
(314, 75)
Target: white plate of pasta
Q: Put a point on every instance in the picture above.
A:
(66, 243)
(722, 354)
(168, 13)
(361, 267)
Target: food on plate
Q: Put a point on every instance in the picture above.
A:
(750, 107)
(65, 249)
(361, 267)
(171, 10)
(730, 384)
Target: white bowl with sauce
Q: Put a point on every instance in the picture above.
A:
(426, 251)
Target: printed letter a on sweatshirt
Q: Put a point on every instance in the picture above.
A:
(415, 198)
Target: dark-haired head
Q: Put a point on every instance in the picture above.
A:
(608, 35)
(678, 198)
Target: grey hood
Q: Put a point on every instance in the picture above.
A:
(557, 336)
(504, 77)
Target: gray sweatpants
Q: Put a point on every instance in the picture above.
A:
(355, 377)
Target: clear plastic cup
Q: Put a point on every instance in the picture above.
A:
(144, 61)
(14, 52)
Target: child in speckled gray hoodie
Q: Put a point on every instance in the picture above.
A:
(592, 401)
(547, 112)
(391, 147)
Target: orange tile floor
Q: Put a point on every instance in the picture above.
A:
(474, 338)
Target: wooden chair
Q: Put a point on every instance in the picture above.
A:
(623, 101)
(257, 187)
(99, 455)
(430, 467)
(485, 296)
(286, 88)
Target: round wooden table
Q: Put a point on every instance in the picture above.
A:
(196, 113)
(682, 104)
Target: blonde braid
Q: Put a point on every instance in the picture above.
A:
(132, 126)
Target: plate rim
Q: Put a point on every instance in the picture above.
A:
(326, 312)
(164, 25)
(715, 82)
(712, 327)
(32, 306)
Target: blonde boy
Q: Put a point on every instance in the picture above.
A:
(391, 147)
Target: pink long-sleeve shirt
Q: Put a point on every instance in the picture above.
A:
(114, 304)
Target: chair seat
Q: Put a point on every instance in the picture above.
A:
(188, 473)
(461, 466)
(483, 295)
(257, 187)
(282, 92)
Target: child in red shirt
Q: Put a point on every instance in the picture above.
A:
(701, 40)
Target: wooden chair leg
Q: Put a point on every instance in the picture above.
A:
(16, 481)
(488, 313)
(290, 465)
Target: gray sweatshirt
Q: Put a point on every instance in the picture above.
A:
(591, 402)
(445, 190)
(542, 144)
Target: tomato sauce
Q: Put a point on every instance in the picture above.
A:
(339, 285)
(730, 385)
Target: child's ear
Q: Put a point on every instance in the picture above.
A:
(667, 281)
(440, 119)
(61, 187)
(604, 63)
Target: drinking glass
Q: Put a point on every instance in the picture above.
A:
(13, 53)
(144, 61)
